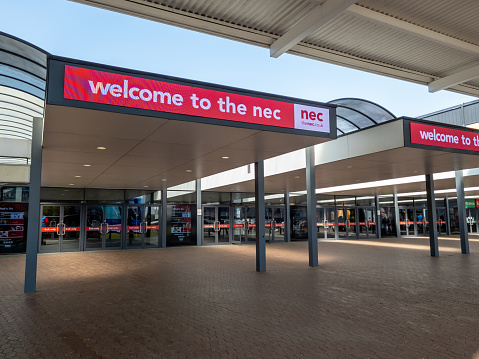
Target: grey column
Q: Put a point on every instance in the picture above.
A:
(311, 207)
(260, 213)
(461, 212)
(164, 202)
(34, 216)
(432, 215)
(378, 218)
(287, 219)
(199, 217)
(336, 221)
(448, 218)
(396, 216)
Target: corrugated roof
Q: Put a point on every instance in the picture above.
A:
(352, 38)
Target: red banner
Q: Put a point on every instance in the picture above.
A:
(127, 91)
(437, 136)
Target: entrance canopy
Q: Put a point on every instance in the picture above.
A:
(116, 128)
(399, 148)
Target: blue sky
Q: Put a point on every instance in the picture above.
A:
(74, 30)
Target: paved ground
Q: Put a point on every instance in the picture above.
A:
(378, 299)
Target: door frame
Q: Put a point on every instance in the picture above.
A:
(217, 225)
(143, 227)
(61, 219)
(102, 233)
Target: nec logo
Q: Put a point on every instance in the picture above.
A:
(311, 118)
(311, 115)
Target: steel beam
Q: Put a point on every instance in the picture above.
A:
(309, 24)
(378, 217)
(396, 215)
(460, 77)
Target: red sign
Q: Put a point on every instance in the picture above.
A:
(429, 135)
(127, 91)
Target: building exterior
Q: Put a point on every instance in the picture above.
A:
(110, 158)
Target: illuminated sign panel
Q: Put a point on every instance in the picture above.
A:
(437, 136)
(134, 92)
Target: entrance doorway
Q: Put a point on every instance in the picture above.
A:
(216, 224)
(367, 222)
(325, 222)
(60, 227)
(406, 221)
(103, 227)
(347, 222)
(143, 229)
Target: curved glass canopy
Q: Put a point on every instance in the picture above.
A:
(354, 114)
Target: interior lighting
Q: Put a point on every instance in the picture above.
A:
(349, 166)
(225, 157)
(189, 171)
(163, 179)
(71, 184)
(86, 165)
(145, 186)
(297, 176)
(77, 176)
(101, 148)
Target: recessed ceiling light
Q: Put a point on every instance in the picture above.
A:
(101, 148)
(71, 184)
(296, 176)
(77, 176)
(349, 166)
(225, 157)
(145, 186)
(86, 165)
(66, 190)
(357, 180)
(163, 179)
(189, 171)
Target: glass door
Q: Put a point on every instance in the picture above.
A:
(420, 221)
(278, 221)
(367, 222)
(320, 222)
(143, 226)
(471, 218)
(406, 221)
(60, 228)
(216, 225)
(239, 225)
(347, 222)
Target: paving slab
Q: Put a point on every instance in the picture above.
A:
(367, 299)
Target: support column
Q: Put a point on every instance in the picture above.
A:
(199, 213)
(448, 218)
(379, 224)
(396, 216)
(432, 215)
(336, 222)
(164, 202)
(287, 218)
(461, 212)
(311, 208)
(34, 216)
(259, 219)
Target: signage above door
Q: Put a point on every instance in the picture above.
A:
(161, 95)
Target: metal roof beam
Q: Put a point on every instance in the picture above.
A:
(414, 29)
(454, 79)
(309, 24)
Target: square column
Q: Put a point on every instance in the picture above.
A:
(287, 218)
(461, 212)
(448, 217)
(34, 216)
(260, 213)
(164, 202)
(396, 216)
(432, 215)
(378, 217)
(311, 208)
(199, 217)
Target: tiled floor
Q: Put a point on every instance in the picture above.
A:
(376, 299)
